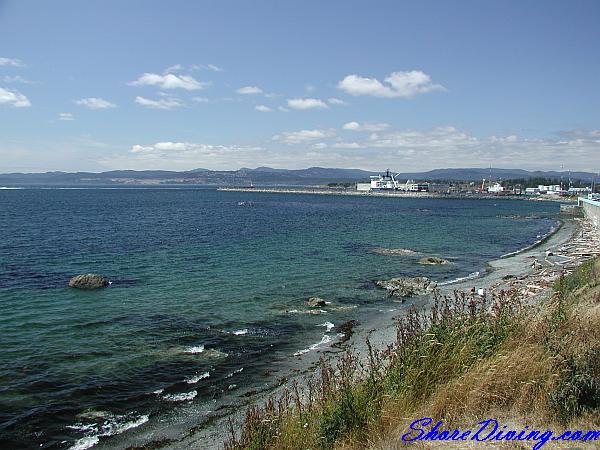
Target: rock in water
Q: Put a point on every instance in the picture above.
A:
(316, 302)
(88, 281)
(432, 260)
(407, 287)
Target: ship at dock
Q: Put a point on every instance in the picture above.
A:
(388, 182)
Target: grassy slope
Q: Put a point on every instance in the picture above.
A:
(468, 359)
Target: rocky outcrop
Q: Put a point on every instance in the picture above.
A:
(432, 261)
(407, 287)
(392, 251)
(316, 302)
(88, 281)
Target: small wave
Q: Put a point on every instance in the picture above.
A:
(240, 370)
(327, 325)
(471, 276)
(195, 379)
(86, 442)
(112, 425)
(207, 353)
(305, 311)
(9, 188)
(183, 397)
(121, 427)
(194, 350)
(240, 332)
(158, 391)
(326, 339)
(539, 239)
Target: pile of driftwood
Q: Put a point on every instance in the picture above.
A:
(562, 260)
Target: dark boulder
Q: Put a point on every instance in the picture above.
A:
(88, 281)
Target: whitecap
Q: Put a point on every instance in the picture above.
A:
(327, 325)
(241, 369)
(119, 428)
(471, 276)
(196, 378)
(86, 442)
(183, 397)
(114, 424)
(241, 332)
(326, 339)
(194, 349)
(158, 391)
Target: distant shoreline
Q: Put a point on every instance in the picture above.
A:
(393, 194)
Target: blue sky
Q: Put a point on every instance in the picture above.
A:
(100, 85)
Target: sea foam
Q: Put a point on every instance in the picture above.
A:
(183, 397)
(195, 379)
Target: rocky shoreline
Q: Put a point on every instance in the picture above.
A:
(531, 272)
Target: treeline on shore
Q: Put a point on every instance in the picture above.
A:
(467, 359)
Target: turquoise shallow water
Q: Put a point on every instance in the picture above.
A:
(203, 282)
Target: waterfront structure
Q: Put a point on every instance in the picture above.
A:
(496, 188)
(388, 182)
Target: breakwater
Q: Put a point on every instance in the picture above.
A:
(591, 209)
(355, 193)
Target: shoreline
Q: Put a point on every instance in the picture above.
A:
(210, 429)
(393, 194)
(381, 330)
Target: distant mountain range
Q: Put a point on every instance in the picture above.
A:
(265, 176)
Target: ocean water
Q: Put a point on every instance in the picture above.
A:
(208, 291)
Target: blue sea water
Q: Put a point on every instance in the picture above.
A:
(208, 289)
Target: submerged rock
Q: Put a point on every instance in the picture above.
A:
(433, 260)
(392, 251)
(88, 281)
(407, 287)
(316, 302)
(346, 329)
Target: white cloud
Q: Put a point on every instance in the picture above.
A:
(182, 147)
(398, 84)
(13, 98)
(170, 81)
(306, 103)
(303, 136)
(174, 68)
(212, 67)
(163, 103)
(403, 150)
(201, 99)
(249, 90)
(263, 108)
(336, 101)
(65, 116)
(95, 103)
(368, 126)
(351, 126)
(16, 79)
(11, 62)
(441, 137)
(350, 145)
(283, 109)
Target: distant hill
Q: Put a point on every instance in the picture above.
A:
(475, 174)
(264, 176)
